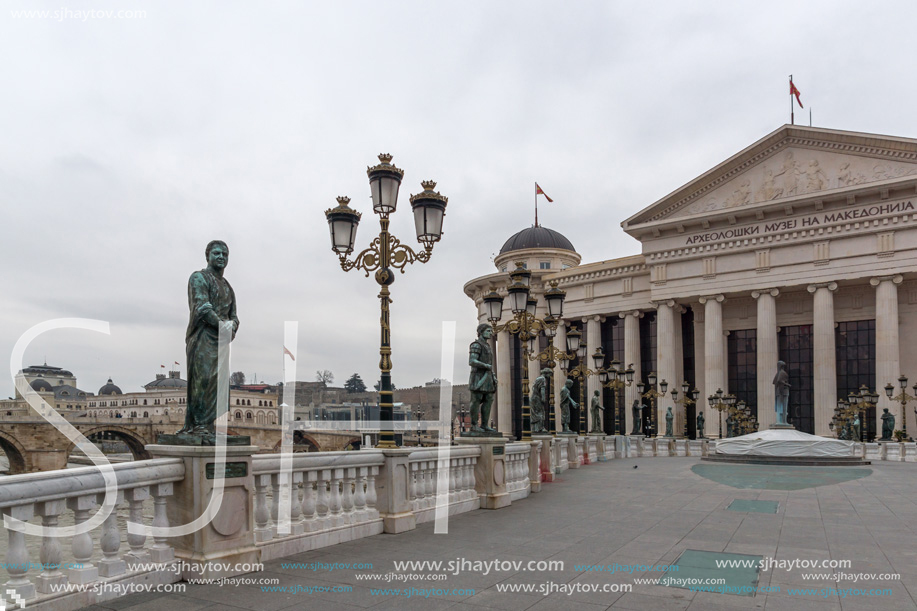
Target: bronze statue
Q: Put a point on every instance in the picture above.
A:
(669, 418)
(596, 418)
(566, 402)
(700, 425)
(888, 425)
(637, 410)
(539, 401)
(483, 382)
(781, 392)
(212, 304)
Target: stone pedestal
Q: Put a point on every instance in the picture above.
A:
(535, 466)
(490, 471)
(547, 462)
(636, 446)
(664, 446)
(695, 447)
(393, 504)
(893, 451)
(649, 447)
(589, 449)
(211, 551)
(561, 447)
(600, 445)
(681, 447)
(910, 452)
(875, 451)
(575, 451)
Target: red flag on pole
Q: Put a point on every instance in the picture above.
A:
(795, 92)
(538, 191)
(286, 351)
(177, 363)
(162, 366)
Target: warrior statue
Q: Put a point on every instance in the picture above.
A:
(482, 383)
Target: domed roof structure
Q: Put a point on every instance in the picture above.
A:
(537, 237)
(41, 385)
(110, 389)
(161, 382)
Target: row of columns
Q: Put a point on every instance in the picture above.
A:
(711, 355)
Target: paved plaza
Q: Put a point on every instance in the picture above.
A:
(666, 511)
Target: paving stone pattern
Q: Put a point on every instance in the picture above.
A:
(610, 513)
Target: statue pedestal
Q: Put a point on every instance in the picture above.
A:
(599, 441)
(784, 427)
(211, 551)
(636, 446)
(489, 471)
(547, 456)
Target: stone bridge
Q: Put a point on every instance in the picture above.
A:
(33, 444)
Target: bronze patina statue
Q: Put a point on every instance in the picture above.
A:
(637, 410)
(566, 402)
(539, 401)
(888, 425)
(781, 393)
(482, 383)
(596, 418)
(212, 303)
(669, 418)
(700, 425)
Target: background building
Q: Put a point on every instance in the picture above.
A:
(802, 247)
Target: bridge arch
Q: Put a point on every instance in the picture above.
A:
(132, 439)
(15, 453)
(302, 442)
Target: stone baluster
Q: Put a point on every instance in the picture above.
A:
(412, 485)
(161, 550)
(297, 524)
(50, 554)
(347, 500)
(276, 480)
(371, 492)
(453, 477)
(430, 481)
(359, 497)
(335, 505)
(262, 512)
(81, 545)
(308, 501)
(322, 500)
(136, 541)
(111, 563)
(17, 556)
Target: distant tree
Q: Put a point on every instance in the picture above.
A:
(237, 378)
(355, 384)
(378, 386)
(324, 376)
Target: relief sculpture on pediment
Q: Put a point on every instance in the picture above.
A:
(798, 172)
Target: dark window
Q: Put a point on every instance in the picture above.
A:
(648, 362)
(575, 389)
(687, 345)
(795, 344)
(743, 366)
(545, 265)
(855, 344)
(613, 346)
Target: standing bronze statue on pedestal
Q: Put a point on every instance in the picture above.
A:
(482, 383)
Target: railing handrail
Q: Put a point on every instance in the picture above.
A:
(454, 452)
(267, 464)
(45, 486)
(518, 447)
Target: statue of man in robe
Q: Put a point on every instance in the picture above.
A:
(637, 410)
(566, 404)
(781, 392)
(700, 425)
(212, 303)
(596, 406)
(539, 401)
(888, 425)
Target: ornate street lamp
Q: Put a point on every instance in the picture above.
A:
(386, 254)
(720, 403)
(689, 397)
(652, 394)
(901, 398)
(528, 327)
(617, 378)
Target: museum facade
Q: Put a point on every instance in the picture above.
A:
(801, 247)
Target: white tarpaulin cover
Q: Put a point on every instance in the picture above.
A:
(784, 442)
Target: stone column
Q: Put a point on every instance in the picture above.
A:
(504, 384)
(558, 378)
(888, 366)
(699, 357)
(593, 341)
(714, 357)
(631, 356)
(825, 356)
(665, 360)
(767, 356)
(681, 412)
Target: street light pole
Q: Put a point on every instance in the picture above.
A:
(385, 254)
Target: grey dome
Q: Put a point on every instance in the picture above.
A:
(41, 385)
(537, 237)
(163, 382)
(110, 389)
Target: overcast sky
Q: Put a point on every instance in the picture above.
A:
(128, 144)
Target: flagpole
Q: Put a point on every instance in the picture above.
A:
(536, 204)
(792, 117)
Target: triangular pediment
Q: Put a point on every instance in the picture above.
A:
(793, 161)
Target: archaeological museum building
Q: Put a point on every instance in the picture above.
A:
(800, 248)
